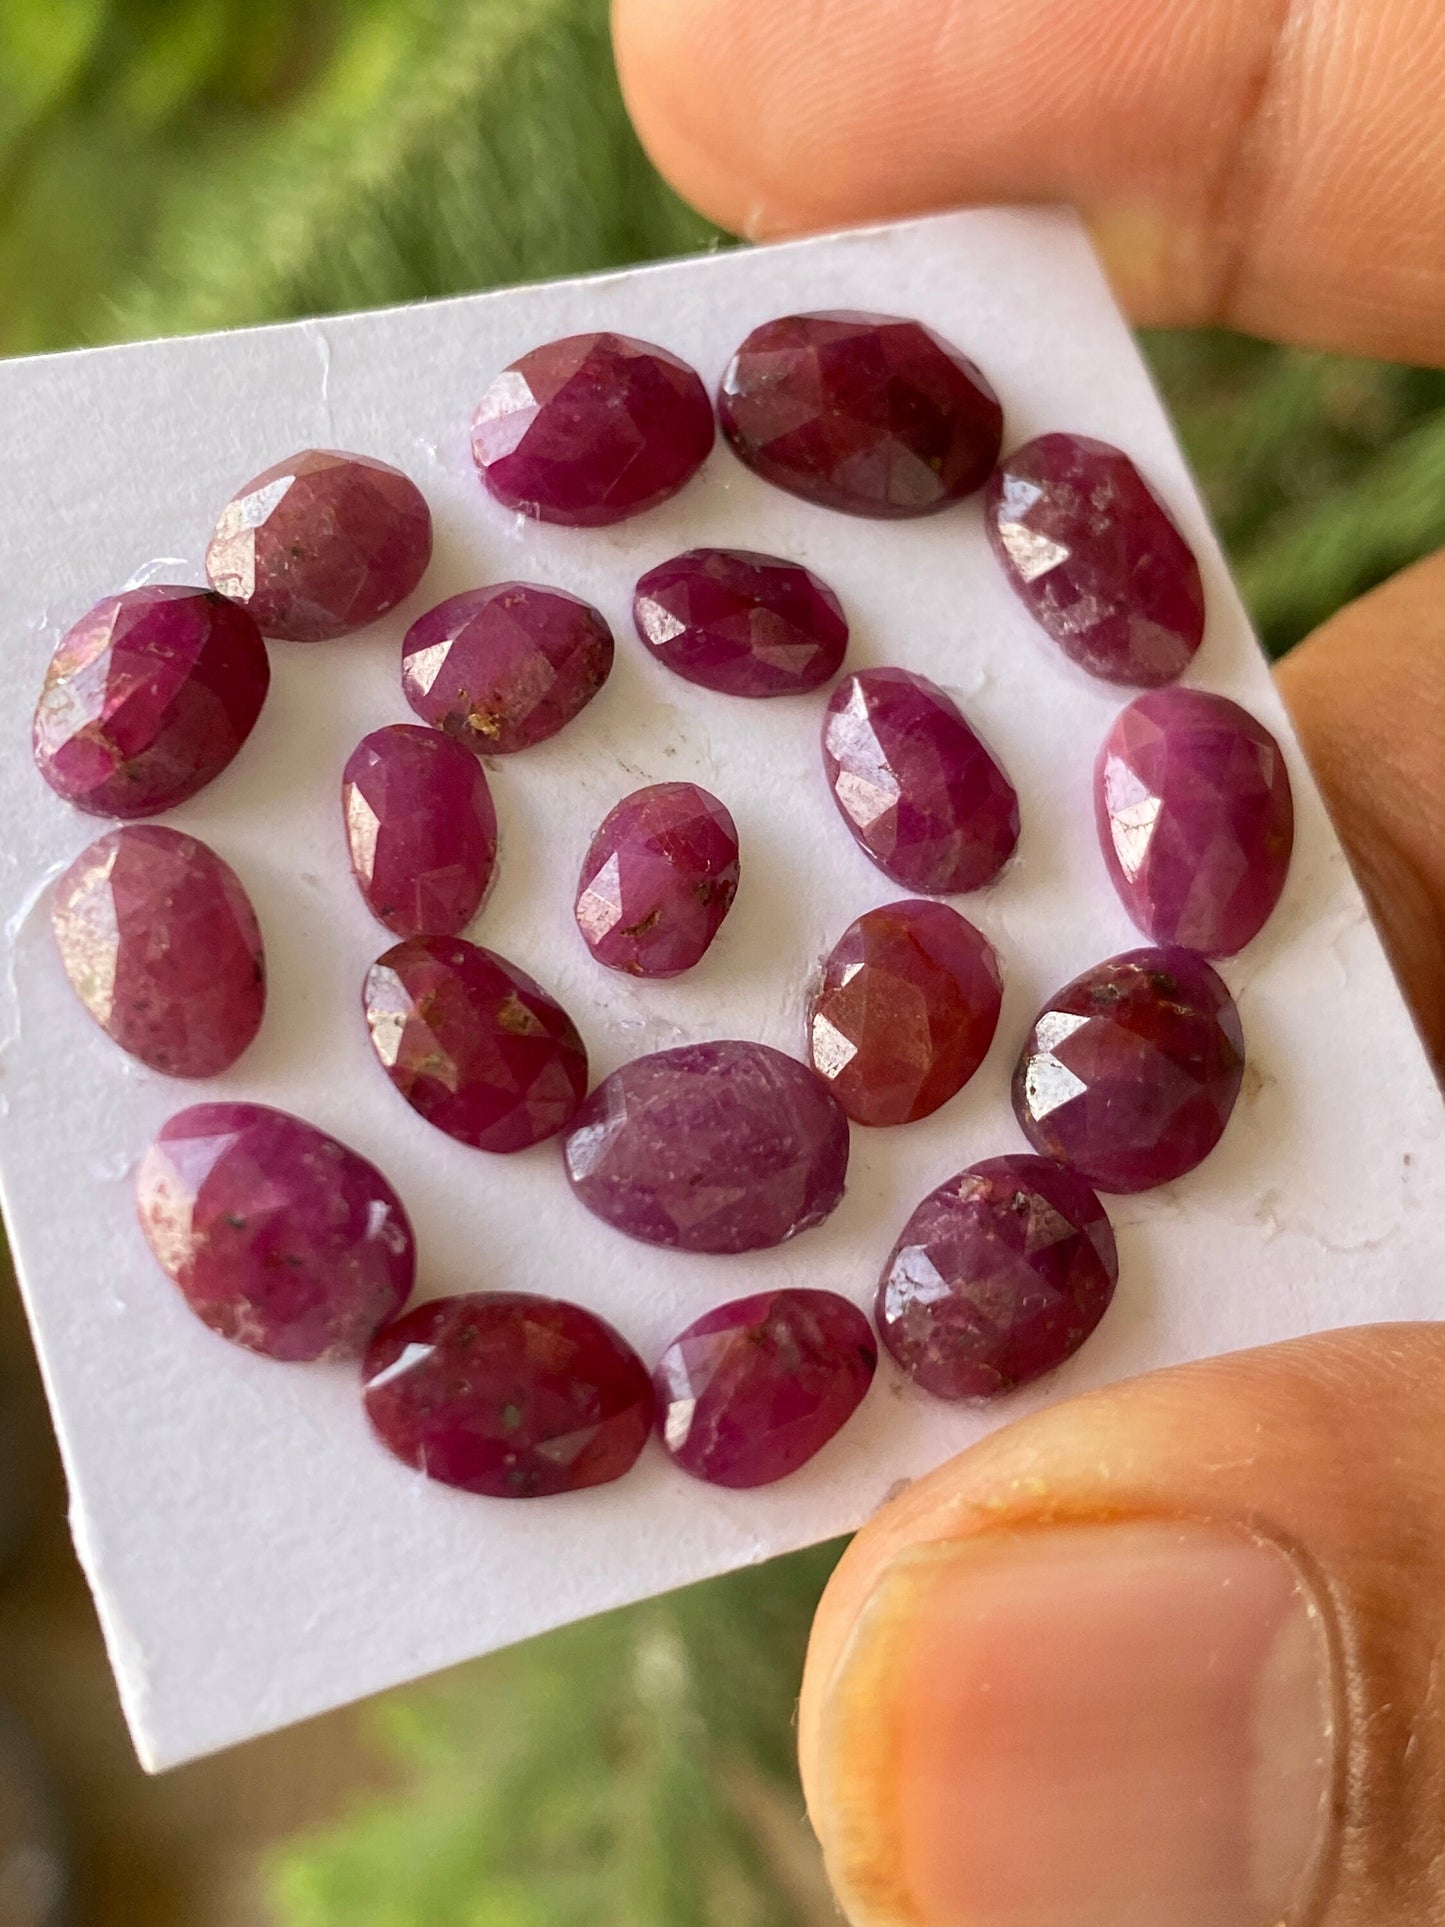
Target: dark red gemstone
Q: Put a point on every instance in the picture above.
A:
(421, 828)
(745, 624)
(658, 880)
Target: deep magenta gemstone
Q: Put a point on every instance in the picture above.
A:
(862, 412)
(745, 624)
(147, 699)
(998, 1277)
(1196, 819)
(161, 945)
(508, 1394)
(658, 879)
(751, 1391)
(905, 1013)
(592, 429)
(711, 1147)
(280, 1238)
(473, 1044)
(915, 785)
(1130, 1073)
(1097, 559)
(321, 544)
(421, 828)
(507, 666)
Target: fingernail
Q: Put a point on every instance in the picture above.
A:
(1126, 1725)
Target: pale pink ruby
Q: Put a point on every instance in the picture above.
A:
(658, 879)
(745, 624)
(421, 828)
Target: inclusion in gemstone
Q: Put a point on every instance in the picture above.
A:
(147, 699)
(321, 545)
(751, 1391)
(867, 413)
(918, 789)
(508, 1395)
(1130, 1073)
(1196, 819)
(718, 1147)
(161, 945)
(592, 429)
(280, 1238)
(906, 1011)
(999, 1276)
(472, 1044)
(658, 879)
(745, 624)
(507, 666)
(1096, 558)
(421, 828)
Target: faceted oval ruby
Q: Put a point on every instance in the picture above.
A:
(321, 544)
(753, 1390)
(279, 1237)
(918, 789)
(717, 1147)
(744, 624)
(867, 413)
(472, 1044)
(905, 1013)
(658, 879)
(148, 698)
(1096, 558)
(505, 667)
(161, 945)
(592, 429)
(1130, 1073)
(1196, 819)
(421, 828)
(508, 1395)
(998, 1277)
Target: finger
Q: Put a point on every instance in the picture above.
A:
(1278, 165)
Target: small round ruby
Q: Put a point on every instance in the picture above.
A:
(744, 624)
(508, 1395)
(421, 828)
(658, 879)
(147, 699)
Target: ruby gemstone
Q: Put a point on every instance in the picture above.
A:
(147, 699)
(508, 1395)
(918, 789)
(751, 1391)
(592, 429)
(1130, 1073)
(505, 667)
(744, 624)
(866, 413)
(1096, 558)
(421, 828)
(1196, 819)
(718, 1147)
(321, 545)
(280, 1238)
(658, 879)
(998, 1277)
(472, 1044)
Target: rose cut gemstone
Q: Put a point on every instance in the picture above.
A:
(592, 429)
(867, 413)
(1130, 1073)
(322, 544)
(1196, 819)
(280, 1238)
(744, 624)
(718, 1147)
(658, 879)
(148, 698)
(421, 828)
(507, 1394)
(920, 792)
(1096, 558)
(998, 1277)
(472, 1044)
(161, 945)
(753, 1390)
(905, 1013)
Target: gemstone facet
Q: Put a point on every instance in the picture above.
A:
(658, 879)
(421, 828)
(745, 624)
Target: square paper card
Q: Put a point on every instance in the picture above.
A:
(256, 1554)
